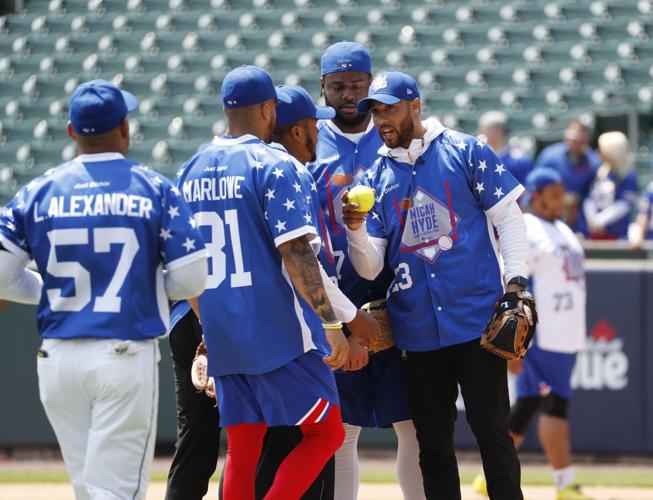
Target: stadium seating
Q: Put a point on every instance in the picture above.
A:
(541, 61)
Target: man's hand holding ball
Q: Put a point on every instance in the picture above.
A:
(356, 204)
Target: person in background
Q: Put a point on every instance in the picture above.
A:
(642, 227)
(613, 192)
(493, 129)
(577, 164)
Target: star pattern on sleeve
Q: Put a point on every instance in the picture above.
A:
(156, 181)
(189, 244)
(480, 143)
(277, 172)
(290, 205)
(173, 212)
(482, 165)
(498, 192)
(192, 222)
(270, 194)
(258, 165)
(375, 216)
(175, 191)
(461, 145)
(313, 186)
(165, 234)
(180, 172)
(308, 218)
(500, 168)
(298, 187)
(281, 225)
(479, 187)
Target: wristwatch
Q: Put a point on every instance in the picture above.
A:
(519, 280)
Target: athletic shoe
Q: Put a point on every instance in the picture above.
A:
(571, 492)
(480, 486)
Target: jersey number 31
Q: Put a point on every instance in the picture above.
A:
(216, 249)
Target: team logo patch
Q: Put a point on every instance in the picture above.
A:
(428, 227)
(380, 82)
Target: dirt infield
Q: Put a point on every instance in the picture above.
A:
(368, 491)
(26, 479)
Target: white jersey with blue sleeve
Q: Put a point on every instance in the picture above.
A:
(101, 229)
(557, 275)
(435, 218)
(247, 199)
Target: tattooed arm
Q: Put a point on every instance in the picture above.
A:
(304, 272)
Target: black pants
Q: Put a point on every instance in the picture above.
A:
(432, 379)
(198, 431)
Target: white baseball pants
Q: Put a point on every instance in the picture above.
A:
(101, 397)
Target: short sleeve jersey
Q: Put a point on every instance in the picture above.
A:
(555, 261)
(246, 203)
(434, 216)
(101, 229)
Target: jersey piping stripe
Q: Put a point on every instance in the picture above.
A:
(326, 409)
(315, 413)
(155, 389)
(452, 217)
(307, 340)
(308, 413)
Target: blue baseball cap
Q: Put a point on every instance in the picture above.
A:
(389, 88)
(300, 107)
(248, 85)
(98, 106)
(346, 56)
(542, 177)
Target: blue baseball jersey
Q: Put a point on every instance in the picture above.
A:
(248, 200)
(178, 311)
(646, 207)
(341, 164)
(100, 229)
(605, 191)
(577, 174)
(516, 162)
(440, 241)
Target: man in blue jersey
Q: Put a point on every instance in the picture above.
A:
(265, 310)
(112, 241)
(493, 130)
(439, 194)
(296, 133)
(374, 396)
(577, 163)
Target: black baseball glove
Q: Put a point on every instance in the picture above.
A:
(511, 326)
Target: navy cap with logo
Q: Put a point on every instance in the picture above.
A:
(98, 106)
(346, 56)
(249, 85)
(389, 88)
(542, 177)
(301, 107)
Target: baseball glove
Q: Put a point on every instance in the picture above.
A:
(199, 372)
(509, 331)
(379, 311)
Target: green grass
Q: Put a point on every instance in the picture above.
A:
(623, 478)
